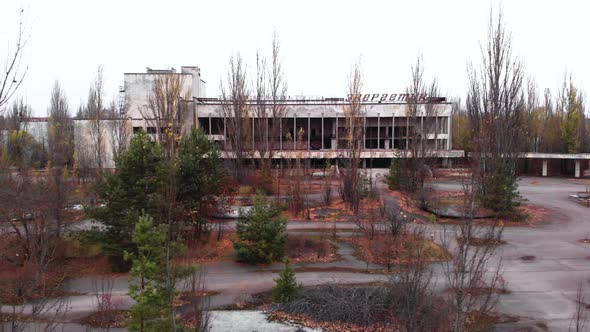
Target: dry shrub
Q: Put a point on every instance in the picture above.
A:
(107, 319)
(385, 250)
(480, 242)
(356, 305)
(306, 249)
(366, 308)
(209, 250)
(261, 181)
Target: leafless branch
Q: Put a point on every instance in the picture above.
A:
(14, 70)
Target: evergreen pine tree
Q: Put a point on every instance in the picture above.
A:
(262, 234)
(286, 286)
(393, 178)
(134, 188)
(152, 309)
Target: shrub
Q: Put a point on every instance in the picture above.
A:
(261, 181)
(286, 285)
(368, 305)
(262, 234)
(498, 191)
(356, 305)
(305, 246)
(392, 179)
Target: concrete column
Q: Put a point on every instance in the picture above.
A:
(365, 130)
(267, 131)
(436, 132)
(294, 132)
(378, 130)
(194, 115)
(407, 131)
(322, 131)
(224, 131)
(336, 146)
(392, 130)
(422, 132)
(577, 171)
(449, 136)
(308, 131)
(544, 172)
(281, 134)
(253, 131)
(210, 124)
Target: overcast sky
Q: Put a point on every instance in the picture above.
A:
(320, 41)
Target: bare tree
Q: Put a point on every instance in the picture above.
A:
(118, 128)
(277, 89)
(164, 109)
(260, 115)
(199, 304)
(495, 105)
(32, 233)
(297, 198)
(269, 108)
(235, 110)
(164, 113)
(411, 288)
(14, 69)
(19, 113)
(474, 278)
(61, 151)
(354, 142)
(421, 132)
(570, 108)
(95, 109)
(105, 301)
(580, 317)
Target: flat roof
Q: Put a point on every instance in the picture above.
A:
(543, 155)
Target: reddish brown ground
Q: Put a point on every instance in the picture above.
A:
(299, 249)
(280, 316)
(536, 215)
(108, 319)
(49, 284)
(304, 249)
(452, 173)
(338, 211)
(199, 252)
(385, 250)
(478, 242)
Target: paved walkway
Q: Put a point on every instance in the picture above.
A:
(545, 288)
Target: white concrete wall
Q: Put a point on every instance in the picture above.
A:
(198, 85)
(315, 110)
(37, 129)
(83, 139)
(138, 87)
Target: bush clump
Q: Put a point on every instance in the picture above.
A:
(262, 234)
(286, 286)
(393, 178)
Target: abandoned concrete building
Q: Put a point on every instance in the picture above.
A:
(316, 125)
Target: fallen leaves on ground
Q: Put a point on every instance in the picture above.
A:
(210, 251)
(307, 249)
(283, 317)
(385, 250)
(107, 319)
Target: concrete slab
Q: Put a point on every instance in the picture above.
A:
(249, 321)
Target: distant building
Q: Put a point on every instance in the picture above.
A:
(321, 120)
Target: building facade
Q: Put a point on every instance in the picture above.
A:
(391, 122)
